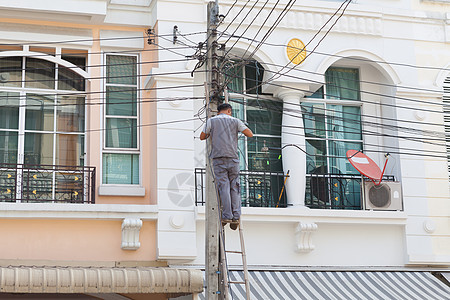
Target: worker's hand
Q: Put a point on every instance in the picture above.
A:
(203, 136)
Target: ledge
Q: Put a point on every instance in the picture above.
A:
(324, 216)
(129, 191)
(77, 211)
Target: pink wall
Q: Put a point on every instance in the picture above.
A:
(72, 240)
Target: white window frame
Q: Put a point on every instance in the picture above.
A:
(114, 188)
(51, 93)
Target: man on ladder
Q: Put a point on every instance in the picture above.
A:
(223, 130)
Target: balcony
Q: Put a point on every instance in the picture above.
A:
(335, 191)
(258, 188)
(323, 191)
(47, 184)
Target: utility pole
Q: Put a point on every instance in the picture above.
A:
(212, 262)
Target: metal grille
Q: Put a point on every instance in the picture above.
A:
(47, 183)
(335, 191)
(258, 189)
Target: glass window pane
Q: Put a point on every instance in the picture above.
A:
(70, 114)
(316, 160)
(234, 77)
(254, 73)
(319, 94)
(39, 74)
(69, 149)
(120, 168)
(121, 133)
(121, 101)
(342, 83)
(238, 111)
(121, 69)
(9, 110)
(79, 61)
(8, 147)
(264, 117)
(39, 113)
(339, 163)
(344, 122)
(38, 149)
(11, 71)
(314, 120)
(260, 155)
(69, 80)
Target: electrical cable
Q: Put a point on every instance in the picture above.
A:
(360, 122)
(364, 133)
(317, 45)
(89, 40)
(100, 77)
(348, 57)
(343, 98)
(250, 24)
(104, 92)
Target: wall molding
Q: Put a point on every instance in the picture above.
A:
(303, 236)
(77, 211)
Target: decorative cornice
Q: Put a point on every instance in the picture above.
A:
(355, 23)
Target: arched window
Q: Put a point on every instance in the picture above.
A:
(42, 131)
(332, 122)
(42, 114)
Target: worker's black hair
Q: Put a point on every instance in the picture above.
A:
(223, 106)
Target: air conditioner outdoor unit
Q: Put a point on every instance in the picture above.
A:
(386, 196)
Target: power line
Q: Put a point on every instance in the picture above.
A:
(343, 98)
(90, 40)
(326, 33)
(100, 77)
(251, 23)
(270, 30)
(360, 122)
(122, 90)
(348, 57)
(347, 88)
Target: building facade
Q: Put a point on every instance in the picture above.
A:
(102, 171)
(77, 154)
(374, 83)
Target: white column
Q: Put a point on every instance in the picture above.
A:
(294, 160)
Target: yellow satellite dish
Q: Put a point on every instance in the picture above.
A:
(296, 51)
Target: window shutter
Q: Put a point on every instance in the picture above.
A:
(446, 101)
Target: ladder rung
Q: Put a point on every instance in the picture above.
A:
(236, 282)
(231, 251)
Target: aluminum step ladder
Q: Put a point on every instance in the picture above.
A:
(224, 265)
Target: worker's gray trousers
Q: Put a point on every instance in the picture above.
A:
(226, 173)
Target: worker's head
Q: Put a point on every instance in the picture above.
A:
(224, 108)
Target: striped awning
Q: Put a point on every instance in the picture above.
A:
(339, 285)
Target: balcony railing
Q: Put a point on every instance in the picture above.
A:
(258, 189)
(323, 191)
(335, 191)
(47, 183)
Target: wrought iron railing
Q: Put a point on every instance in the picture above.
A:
(47, 183)
(258, 189)
(335, 191)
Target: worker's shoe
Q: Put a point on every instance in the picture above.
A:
(234, 224)
(225, 221)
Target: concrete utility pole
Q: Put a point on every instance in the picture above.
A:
(212, 207)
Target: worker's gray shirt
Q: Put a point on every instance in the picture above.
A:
(223, 130)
